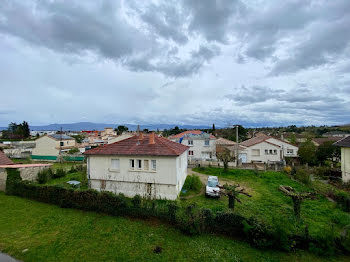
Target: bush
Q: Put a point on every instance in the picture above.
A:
(136, 201)
(13, 177)
(303, 176)
(60, 172)
(193, 183)
(343, 200)
(44, 176)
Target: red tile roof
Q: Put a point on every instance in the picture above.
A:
(323, 140)
(4, 160)
(135, 146)
(190, 132)
(224, 141)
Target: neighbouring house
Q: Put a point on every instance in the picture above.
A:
(27, 171)
(145, 165)
(322, 140)
(265, 149)
(345, 157)
(202, 145)
(49, 147)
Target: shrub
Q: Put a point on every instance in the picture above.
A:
(73, 169)
(343, 200)
(13, 177)
(193, 183)
(60, 172)
(303, 176)
(136, 201)
(44, 176)
(172, 209)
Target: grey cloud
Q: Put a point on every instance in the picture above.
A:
(211, 18)
(166, 20)
(174, 66)
(253, 94)
(72, 28)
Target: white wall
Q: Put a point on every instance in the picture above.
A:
(165, 182)
(199, 148)
(345, 163)
(285, 146)
(263, 157)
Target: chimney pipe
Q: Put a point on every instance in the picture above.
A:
(140, 136)
(151, 139)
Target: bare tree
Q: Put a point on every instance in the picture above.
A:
(297, 198)
(224, 155)
(233, 192)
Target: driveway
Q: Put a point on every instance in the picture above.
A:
(7, 258)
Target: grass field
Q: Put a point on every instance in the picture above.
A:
(270, 205)
(50, 233)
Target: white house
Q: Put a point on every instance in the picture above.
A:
(145, 165)
(202, 145)
(263, 148)
(345, 157)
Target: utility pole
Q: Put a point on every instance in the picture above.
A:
(60, 156)
(236, 145)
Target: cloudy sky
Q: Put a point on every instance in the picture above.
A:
(186, 62)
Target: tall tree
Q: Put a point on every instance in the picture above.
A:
(120, 129)
(307, 152)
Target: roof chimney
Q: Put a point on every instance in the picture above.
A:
(140, 136)
(151, 139)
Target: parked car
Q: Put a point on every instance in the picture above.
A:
(212, 189)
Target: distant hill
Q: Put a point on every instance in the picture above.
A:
(100, 126)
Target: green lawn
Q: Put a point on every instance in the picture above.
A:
(50, 233)
(271, 206)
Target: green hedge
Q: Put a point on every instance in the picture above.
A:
(190, 220)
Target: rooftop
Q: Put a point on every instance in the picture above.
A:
(140, 145)
(61, 136)
(4, 160)
(345, 142)
(193, 134)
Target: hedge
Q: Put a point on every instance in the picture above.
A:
(190, 220)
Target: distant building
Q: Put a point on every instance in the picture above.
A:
(49, 147)
(345, 157)
(145, 165)
(340, 134)
(42, 132)
(202, 145)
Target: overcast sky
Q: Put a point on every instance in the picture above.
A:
(184, 62)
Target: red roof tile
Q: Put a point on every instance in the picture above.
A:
(188, 132)
(135, 146)
(4, 160)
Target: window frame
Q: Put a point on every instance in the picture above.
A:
(154, 165)
(132, 164)
(205, 142)
(190, 142)
(139, 164)
(112, 167)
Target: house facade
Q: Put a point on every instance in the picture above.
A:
(345, 157)
(146, 165)
(202, 146)
(266, 149)
(48, 147)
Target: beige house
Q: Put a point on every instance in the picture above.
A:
(345, 157)
(264, 149)
(48, 147)
(145, 165)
